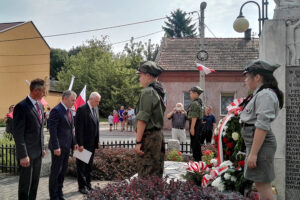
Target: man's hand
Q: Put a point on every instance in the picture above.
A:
(43, 153)
(192, 131)
(138, 149)
(80, 149)
(251, 161)
(75, 147)
(25, 162)
(57, 152)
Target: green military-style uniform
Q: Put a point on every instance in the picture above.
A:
(195, 111)
(150, 109)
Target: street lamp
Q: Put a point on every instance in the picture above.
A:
(241, 24)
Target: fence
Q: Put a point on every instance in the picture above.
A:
(184, 147)
(8, 161)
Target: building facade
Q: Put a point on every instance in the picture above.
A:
(228, 56)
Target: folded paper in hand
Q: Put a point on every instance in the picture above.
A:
(84, 156)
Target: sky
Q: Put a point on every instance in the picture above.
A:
(62, 16)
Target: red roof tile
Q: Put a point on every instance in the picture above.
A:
(228, 54)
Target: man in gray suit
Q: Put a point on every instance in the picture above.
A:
(28, 134)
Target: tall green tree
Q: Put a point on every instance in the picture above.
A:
(133, 51)
(96, 66)
(151, 51)
(58, 58)
(178, 25)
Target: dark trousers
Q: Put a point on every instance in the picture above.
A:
(29, 179)
(59, 167)
(84, 172)
(206, 135)
(196, 141)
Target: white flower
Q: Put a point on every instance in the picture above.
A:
(225, 128)
(227, 176)
(235, 136)
(224, 132)
(233, 178)
(221, 187)
(226, 163)
(214, 162)
(216, 131)
(216, 182)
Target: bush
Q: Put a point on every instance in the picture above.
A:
(2, 124)
(7, 143)
(156, 188)
(174, 155)
(110, 164)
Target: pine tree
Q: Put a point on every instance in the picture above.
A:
(178, 25)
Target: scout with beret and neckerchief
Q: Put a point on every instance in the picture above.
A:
(195, 116)
(149, 122)
(259, 110)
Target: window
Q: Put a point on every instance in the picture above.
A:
(226, 99)
(186, 100)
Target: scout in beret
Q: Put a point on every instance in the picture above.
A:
(260, 66)
(150, 67)
(260, 109)
(150, 110)
(195, 115)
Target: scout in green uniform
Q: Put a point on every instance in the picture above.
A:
(259, 110)
(195, 120)
(149, 122)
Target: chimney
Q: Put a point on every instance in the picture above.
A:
(248, 34)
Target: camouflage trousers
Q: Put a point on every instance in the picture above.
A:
(152, 162)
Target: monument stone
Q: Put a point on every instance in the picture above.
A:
(280, 43)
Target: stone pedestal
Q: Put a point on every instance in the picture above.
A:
(272, 48)
(173, 144)
(280, 43)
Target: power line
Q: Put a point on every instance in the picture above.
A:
(138, 37)
(86, 31)
(210, 31)
(89, 30)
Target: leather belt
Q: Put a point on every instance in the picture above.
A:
(247, 125)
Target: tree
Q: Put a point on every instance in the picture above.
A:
(96, 66)
(57, 59)
(178, 25)
(151, 51)
(133, 52)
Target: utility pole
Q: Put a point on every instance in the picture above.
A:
(202, 32)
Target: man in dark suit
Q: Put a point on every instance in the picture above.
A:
(62, 139)
(87, 136)
(28, 134)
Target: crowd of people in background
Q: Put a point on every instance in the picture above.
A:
(124, 116)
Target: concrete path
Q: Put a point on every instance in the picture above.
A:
(9, 188)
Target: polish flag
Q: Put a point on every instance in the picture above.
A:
(81, 98)
(205, 69)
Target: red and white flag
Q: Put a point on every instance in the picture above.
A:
(81, 99)
(205, 69)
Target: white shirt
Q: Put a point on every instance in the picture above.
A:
(33, 101)
(131, 114)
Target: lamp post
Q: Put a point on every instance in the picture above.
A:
(241, 24)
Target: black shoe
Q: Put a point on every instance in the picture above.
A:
(83, 191)
(62, 198)
(89, 187)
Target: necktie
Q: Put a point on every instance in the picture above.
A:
(39, 111)
(94, 112)
(69, 115)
